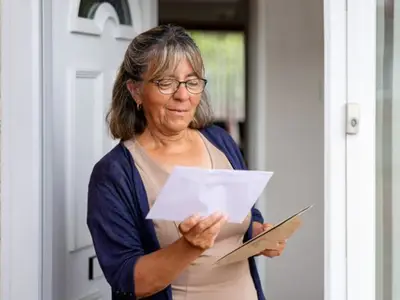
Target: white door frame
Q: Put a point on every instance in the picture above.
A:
(350, 77)
(360, 169)
(21, 145)
(335, 150)
(350, 72)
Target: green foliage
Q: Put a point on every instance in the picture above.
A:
(222, 51)
(224, 58)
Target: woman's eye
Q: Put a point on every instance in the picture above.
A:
(165, 84)
(193, 83)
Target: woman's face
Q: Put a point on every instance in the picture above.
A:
(170, 113)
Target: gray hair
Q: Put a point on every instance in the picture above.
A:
(154, 52)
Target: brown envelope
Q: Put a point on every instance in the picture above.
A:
(265, 240)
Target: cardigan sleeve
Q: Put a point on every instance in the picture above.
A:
(115, 236)
(257, 216)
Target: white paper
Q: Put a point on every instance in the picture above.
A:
(191, 190)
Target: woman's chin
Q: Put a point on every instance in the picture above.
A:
(178, 125)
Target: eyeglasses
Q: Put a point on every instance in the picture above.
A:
(170, 86)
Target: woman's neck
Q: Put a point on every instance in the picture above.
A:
(156, 140)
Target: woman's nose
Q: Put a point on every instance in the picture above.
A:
(182, 93)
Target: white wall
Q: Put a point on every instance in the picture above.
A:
(295, 151)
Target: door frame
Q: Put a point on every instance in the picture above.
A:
(360, 150)
(22, 149)
(350, 78)
(335, 97)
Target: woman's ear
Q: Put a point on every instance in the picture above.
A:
(133, 89)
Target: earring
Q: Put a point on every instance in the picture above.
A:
(139, 107)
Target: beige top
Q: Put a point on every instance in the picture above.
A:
(201, 280)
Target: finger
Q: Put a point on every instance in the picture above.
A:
(214, 229)
(281, 244)
(208, 222)
(189, 223)
(267, 226)
(278, 247)
(271, 253)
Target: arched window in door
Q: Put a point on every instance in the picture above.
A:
(88, 8)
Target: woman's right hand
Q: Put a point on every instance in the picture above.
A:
(201, 232)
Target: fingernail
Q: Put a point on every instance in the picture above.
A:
(196, 217)
(218, 214)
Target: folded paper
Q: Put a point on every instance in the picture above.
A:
(190, 191)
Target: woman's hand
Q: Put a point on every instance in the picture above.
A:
(259, 228)
(201, 232)
(156, 270)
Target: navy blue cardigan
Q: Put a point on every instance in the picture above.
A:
(117, 206)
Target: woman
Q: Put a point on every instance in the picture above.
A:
(162, 117)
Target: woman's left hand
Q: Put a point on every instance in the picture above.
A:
(259, 228)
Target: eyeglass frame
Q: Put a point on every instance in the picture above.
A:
(157, 83)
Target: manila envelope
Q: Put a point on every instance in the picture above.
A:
(265, 240)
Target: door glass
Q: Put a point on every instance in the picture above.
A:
(224, 56)
(88, 8)
(388, 150)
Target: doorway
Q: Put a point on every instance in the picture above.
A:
(282, 128)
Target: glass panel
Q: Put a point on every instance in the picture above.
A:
(87, 9)
(224, 57)
(388, 150)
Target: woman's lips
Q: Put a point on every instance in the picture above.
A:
(179, 112)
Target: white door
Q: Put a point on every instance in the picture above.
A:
(89, 41)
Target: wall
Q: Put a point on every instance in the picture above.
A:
(295, 151)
